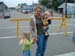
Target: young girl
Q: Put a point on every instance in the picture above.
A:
(45, 22)
(27, 42)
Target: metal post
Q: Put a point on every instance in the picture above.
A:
(65, 8)
(3, 11)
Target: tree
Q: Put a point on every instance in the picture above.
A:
(49, 5)
(54, 3)
(44, 2)
(23, 4)
(70, 1)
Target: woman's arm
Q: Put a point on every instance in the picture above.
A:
(32, 28)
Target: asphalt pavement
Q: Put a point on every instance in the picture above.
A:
(57, 44)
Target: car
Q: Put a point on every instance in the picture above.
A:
(25, 11)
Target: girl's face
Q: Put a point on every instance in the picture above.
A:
(38, 12)
(26, 35)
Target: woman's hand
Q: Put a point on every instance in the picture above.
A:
(35, 39)
(45, 27)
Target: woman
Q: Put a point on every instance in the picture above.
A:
(37, 31)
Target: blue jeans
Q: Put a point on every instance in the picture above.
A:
(26, 53)
(41, 45)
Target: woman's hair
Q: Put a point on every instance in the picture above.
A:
(38, 7)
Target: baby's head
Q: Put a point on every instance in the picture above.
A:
(26, 35)
(46, 14)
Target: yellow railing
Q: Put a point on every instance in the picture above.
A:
(18, 20)
(63, 24)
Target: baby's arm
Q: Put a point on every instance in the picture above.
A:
(30, 42)
(21, 41)
(49, 18)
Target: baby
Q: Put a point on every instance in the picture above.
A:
(45, 22)
(26, 41)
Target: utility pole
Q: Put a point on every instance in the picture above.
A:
(66, 8)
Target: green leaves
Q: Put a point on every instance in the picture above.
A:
(54, 3)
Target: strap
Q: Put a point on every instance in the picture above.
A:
(34, 21)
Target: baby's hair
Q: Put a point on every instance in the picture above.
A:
(26, 35)
(26, 32)
(47, 12)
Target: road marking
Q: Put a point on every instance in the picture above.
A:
(8, 37)
(60, 33)
(67, 54)
(29, 26)
(59, 24)
(11, 37)
(13, 27)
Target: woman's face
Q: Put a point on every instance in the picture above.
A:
(38, 12)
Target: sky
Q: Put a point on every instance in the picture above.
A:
(13, 3)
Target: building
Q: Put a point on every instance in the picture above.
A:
(70, 8)
(3, 11)
(28, 8)
(2, 6)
